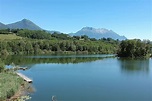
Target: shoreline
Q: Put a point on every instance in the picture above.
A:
(18, 94)
(22, 93)
(13, 87)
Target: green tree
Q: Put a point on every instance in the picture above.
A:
(134, 48)
(2, 66)
(29, 48)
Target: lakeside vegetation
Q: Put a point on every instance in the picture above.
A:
(12, 87)
(33, 42)
(10, 83)
(42, 42)
(135, 48)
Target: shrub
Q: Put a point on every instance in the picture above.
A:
(2, 66)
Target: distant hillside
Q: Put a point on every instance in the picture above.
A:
(3, 26)
(24, 24)
(89, 31)
(98, 33)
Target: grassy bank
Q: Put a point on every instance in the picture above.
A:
(9, 85)
(9, 36)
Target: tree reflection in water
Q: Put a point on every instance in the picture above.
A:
(134, 65)
(29, 61)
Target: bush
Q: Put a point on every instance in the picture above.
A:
(134, 48)
(2, 66)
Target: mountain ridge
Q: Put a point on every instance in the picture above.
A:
(3, 26)
(89, 31)
(98, 33)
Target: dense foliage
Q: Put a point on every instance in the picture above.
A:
(53, 46)
(2, 66)
(134, 48)
(41, 42)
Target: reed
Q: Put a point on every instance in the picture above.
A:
(9, 85)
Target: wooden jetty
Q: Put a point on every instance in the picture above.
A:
(24, 77)
(22, 68)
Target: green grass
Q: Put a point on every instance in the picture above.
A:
(9, 36)
(9, 85)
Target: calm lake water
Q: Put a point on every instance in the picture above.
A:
(88, 78)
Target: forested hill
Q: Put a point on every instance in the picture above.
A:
(24, 24)
(41, 42)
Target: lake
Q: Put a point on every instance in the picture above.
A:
(88, 77)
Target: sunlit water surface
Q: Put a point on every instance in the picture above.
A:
(89, 78)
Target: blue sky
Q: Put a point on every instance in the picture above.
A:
(131, 18)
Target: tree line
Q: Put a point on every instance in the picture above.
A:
(135, 48)
(42, 42)
(11, 47)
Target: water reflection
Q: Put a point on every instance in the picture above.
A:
(30, 60)
(134, 65)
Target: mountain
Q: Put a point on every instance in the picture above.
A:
(98, 33)
(3, 26)
(89, 31)
(24, 24)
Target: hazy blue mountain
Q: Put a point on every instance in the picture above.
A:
(24, 24)
(3, 26)
(98, 33)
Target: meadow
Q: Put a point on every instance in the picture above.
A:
(9, 36)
